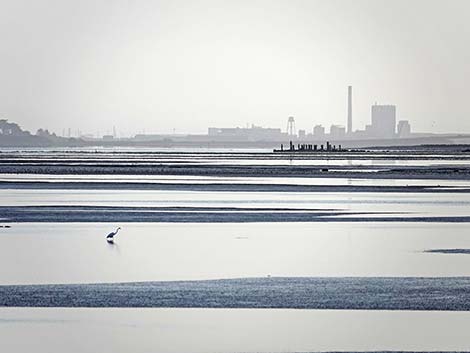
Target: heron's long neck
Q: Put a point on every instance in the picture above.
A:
(117, 230)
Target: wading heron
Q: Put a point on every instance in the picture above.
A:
(110, 236)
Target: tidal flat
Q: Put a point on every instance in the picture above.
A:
(347, 249)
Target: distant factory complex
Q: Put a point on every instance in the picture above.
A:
(383, 130)
(383, 126)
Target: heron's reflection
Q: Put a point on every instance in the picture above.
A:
(112, 246)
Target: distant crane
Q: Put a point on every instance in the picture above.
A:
(110, 236)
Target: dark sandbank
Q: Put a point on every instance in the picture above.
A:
(361, 293)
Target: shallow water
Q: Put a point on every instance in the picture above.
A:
(221, 330)
(188, 179)
(78, 253)
(402, 204)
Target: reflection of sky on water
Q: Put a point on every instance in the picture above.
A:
(79, 253)
(225, 330)
(188, 179)
(411, 204)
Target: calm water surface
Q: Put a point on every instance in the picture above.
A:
(220, 330)
(78, 253)
(187, 179)
(401, 204)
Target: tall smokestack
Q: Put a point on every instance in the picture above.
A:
(349, 109)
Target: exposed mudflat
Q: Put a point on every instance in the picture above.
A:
(217, 187)
(420, 164)
(440, 172)
(61, 214)
(382, 293)
(448, 251)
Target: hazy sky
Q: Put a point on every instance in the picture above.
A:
(187, 65)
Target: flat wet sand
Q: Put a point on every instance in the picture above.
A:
(353, 293)
(90, 214)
